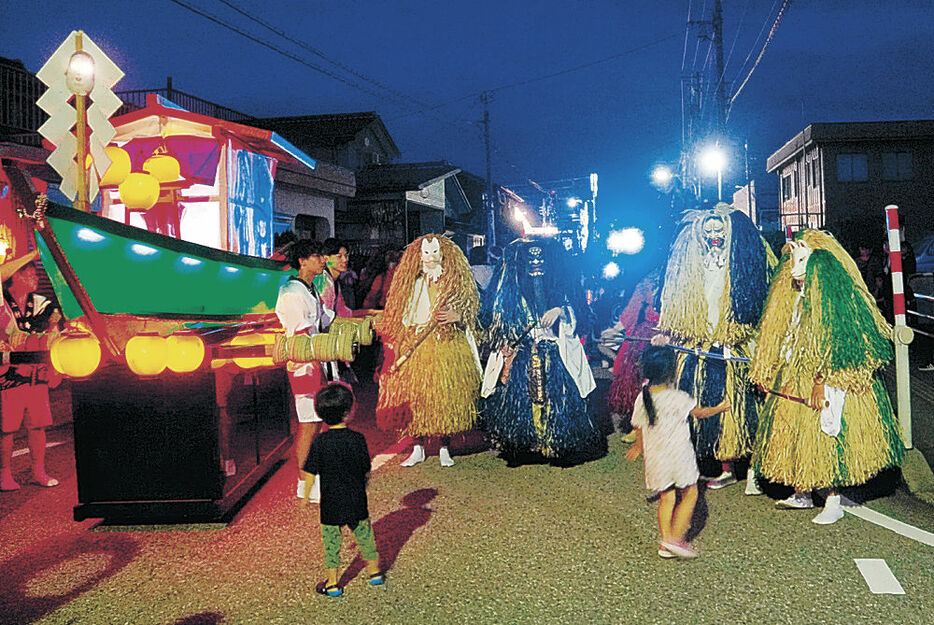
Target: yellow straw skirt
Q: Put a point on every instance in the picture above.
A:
(792, 449)
(434, 393)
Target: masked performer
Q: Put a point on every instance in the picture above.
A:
(716, 283)
(537, 378)
(827, 421)
(431, 376)
(637, 325)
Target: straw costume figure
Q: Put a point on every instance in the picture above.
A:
(827, 421)
(431, 375)
(537, 378)
(715, 287)
(637, 323)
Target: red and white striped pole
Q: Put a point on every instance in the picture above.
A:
(902, 334)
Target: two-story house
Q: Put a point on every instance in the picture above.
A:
(840, 177)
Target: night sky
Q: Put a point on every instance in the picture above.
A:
(830, 60)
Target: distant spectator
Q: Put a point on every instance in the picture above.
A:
(376, 297)
(909, 267)
(480, 267)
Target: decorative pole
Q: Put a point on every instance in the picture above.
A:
(81, 123)
(902, 335)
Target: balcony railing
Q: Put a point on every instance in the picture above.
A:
(136, 99)
(19, 115)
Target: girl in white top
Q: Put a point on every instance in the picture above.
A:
(660, 418)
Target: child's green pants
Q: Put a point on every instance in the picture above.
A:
(362, 533)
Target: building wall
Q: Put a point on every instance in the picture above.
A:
(293, 200)
(865, 201)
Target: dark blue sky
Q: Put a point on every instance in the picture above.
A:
(830, 60)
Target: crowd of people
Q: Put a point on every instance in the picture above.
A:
(728, 356)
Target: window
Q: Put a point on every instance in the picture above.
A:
(852, 168)
(788, 187)
(815, 172)
(896, 166)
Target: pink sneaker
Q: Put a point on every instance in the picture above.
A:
(680, 549)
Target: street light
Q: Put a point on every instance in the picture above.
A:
(662, 176)
(713, 160)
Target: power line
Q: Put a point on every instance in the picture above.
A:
(270, 46)
(398, 94)
(768, 39)
(585, 65)
(755, 43)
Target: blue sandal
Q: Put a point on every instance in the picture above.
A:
(377, 579)
(329, 591)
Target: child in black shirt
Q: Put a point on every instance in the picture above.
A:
(340, 456)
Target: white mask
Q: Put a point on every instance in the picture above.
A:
(431, 258)
(800, 253)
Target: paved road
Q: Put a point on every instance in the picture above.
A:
(478, 543)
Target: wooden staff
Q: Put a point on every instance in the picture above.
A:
(401, 359)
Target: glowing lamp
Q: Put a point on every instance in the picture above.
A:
(254, 338)
(164, 167)
(146, 354)
(185, 352)
(139, 191)
(120, 166)
(75, 354)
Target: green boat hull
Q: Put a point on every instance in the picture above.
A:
(130, 271)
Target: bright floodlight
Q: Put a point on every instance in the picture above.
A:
(625, 241)
(712, 160)
(611, 270)
(661, 176)
(573, 201)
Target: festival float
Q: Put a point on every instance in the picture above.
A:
(180, 402)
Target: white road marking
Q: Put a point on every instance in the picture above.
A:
(389, 453)
(24, 451)
(879, 576)
(908, 531)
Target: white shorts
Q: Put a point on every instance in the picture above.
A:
(305, 408)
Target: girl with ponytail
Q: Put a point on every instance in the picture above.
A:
(660, 417)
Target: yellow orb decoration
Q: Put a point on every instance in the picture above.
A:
(139, 191)
(164, 167)
(254, 338)
(146, 354)
(185, 352)
(119, 169)
(75, 354)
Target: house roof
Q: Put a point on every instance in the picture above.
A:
(328, 131)
(161, 116)
(402, 176)
(851, 132)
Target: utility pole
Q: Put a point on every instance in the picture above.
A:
(490, 200)
(717, 24)
(701, 124)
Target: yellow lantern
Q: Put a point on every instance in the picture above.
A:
(185, 352)
(254, 338)
(164, 167)
(139, 191)
(146, 354)
(120, 166)
(75, 354)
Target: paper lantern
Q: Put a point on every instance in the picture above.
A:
(139, 191)
(146, 354)
(164, 167)
(254, 338)
(75, 354)
(185, 352)
(119, 169)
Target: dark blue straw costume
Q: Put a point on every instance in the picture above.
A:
(537, 405)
